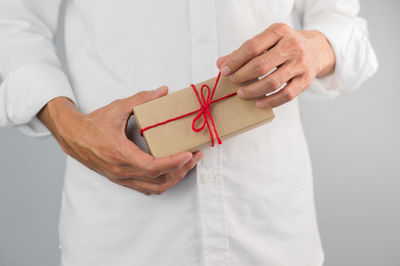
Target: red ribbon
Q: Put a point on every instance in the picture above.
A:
(203, 111)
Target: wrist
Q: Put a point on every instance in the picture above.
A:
(59, 113)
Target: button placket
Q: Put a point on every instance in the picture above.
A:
(213, 223)
(203, 31)
(208, 178)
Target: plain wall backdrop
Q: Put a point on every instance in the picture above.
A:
(355, 149)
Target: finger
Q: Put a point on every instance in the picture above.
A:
(146, 167)
(123, 108)
(288, 93)
(150, 187)
(221, 60)
(160, 166)
(253, 47)
(188, 166)
(270, 83)
(176, 177)
(259, 66)
(162, 179)
(146, 187)
(130, 184)
(171, 180)
(197, 156)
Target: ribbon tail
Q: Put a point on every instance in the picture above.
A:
(209, 129)
(215, 129)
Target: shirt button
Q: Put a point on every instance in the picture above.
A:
(208, 178)
(203, 39)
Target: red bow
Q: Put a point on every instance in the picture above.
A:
(204, 111)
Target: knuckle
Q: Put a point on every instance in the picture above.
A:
(176, 165)
(261, 66)
(142, 95)
(291, 71)
(189, 165)
(66, 150)
(281, 28)
(274, 84)
(112, 156)
(302, 61)
(117, 172)
(116, 102)
(298, 45)
(289, 95)
(159, 190)
(308, 78)
(181, 176)
(253, 47)
(162, 179)
(117, 105)
(153, 172)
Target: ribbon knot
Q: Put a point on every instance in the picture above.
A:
(203, 111)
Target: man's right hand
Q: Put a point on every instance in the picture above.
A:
(98, 140)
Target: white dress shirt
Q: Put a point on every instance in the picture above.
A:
(250, 200)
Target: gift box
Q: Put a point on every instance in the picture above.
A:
(197, 117)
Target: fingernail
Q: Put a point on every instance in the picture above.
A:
(198, 157)
(225, 71)
(260, 104)
(187, 158)
(240, 93)
(160, 90)
(232, 78)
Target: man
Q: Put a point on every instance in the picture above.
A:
(248, 201)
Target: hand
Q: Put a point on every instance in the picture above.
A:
(98, 140)
(299, 57)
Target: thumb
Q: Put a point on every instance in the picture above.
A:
(146, 96)
(221, 60)
(124, 107)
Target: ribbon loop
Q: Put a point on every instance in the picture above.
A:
(195, 121)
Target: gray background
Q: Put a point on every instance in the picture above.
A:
(354, 144)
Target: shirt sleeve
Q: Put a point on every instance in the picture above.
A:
(347, 33)
(30, 71)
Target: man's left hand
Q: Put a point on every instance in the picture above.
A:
(299, 56)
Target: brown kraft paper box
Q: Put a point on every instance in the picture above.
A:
(232, 116)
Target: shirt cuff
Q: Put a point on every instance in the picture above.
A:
(27, 90)
(355, 58)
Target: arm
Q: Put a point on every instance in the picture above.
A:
(301, 57)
